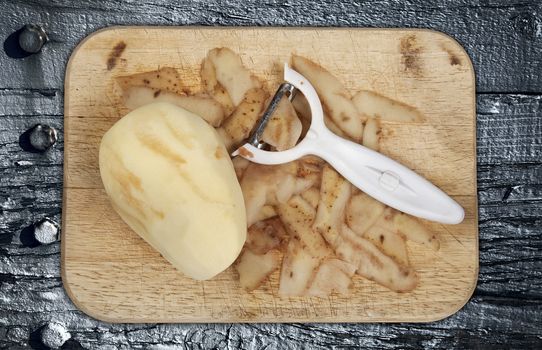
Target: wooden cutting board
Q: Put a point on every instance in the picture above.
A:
(113, 275)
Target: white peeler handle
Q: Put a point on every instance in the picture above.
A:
(386, 180)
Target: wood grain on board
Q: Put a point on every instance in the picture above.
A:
(112, 274)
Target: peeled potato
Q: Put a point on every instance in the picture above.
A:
(171, 180)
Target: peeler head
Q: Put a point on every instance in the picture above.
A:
(255, 149)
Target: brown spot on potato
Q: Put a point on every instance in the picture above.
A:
(183, 138)
(195, 187)
(157, 93)
(218, 152)
(411, 52)
(115, 54)
(158, 213)
(157, 146)
(127, 181)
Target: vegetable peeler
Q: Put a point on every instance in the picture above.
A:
(375, 174)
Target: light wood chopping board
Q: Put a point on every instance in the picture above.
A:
(113, 275)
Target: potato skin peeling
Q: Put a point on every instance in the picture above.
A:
(159, 168)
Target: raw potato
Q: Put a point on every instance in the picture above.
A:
(206, 107)
(254, 268)
(163, 79)
(372, 263)
(333, 275)
(160, 168)
(362, 212)
(334, 97)
(229, 73)
(334, 194)
(373, 105)
(371, 134)
(298, 267)
(389, 242)
(238, 126)
(284, 128)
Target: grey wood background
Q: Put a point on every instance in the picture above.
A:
(504, 40)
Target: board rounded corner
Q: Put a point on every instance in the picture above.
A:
(72, 295)
(456, 307)
(458, 46)
(89, 311)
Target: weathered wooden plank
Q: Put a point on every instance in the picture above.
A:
(509, 129)
(502, 37)
(31, 102)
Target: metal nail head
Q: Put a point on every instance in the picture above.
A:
(32, 38)
(42, 137)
